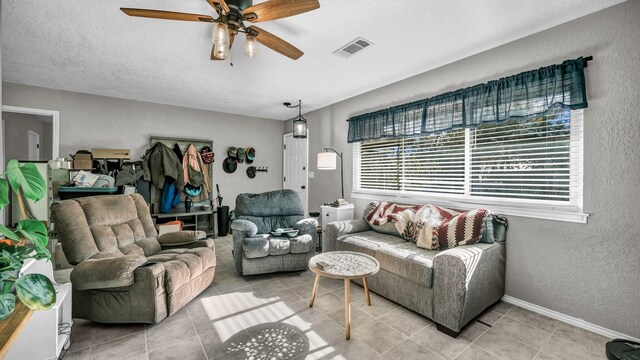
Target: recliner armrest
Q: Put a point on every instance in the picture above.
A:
(179, 238)
(208, 243)
(245, 226)
(106, 273)
(334, 230)
(306, 226)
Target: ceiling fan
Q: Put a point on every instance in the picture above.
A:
(230, 21)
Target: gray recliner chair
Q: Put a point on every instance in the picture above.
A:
(255, 251)
(123, 272)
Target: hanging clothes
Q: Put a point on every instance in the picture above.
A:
(160, 162)
(196, 173)
(170, 197)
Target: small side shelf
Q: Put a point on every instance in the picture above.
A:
(44, 326)
(191, 224)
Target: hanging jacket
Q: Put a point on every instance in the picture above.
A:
(194, 172)
(170, 197)
(161, 162)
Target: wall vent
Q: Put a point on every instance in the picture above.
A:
(353, 47)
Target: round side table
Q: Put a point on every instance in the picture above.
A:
(345, 265)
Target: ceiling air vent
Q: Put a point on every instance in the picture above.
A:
(353, 47)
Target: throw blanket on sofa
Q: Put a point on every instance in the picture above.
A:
(431, 227)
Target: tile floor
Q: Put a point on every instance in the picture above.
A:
(268, 317)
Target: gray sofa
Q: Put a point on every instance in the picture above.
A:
(254, 250)
(450, 287)
(124, 272)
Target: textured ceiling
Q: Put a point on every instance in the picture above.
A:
(89, 46)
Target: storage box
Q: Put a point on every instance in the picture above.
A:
(167, 228)
(82, 164)
(111, 153)
(80, 156)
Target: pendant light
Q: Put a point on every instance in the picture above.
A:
(299, 122)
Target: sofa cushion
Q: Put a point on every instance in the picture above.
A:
(270, 210)
(182, 265)
(367, 242)
(407, 261)
(302, 244)
(262, 245)
(256, 246)
(278, 246)
(395, 255)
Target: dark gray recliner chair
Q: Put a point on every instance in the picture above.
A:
(123, 272)
(255, 251)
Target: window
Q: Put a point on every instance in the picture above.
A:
(531, 168)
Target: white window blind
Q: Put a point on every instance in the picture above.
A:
(537, 161)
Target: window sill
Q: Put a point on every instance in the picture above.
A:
(546, 212)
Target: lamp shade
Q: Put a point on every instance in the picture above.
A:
(220, 35)
(250, 46)
(327, 161)
(300, 128)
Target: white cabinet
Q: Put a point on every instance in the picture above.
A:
(330, 214)
(47, 331)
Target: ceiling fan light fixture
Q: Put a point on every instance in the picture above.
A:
(221, 51)
(250, 46)
(230, 21)
(220, 35)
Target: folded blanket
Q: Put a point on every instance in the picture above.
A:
(431, 227)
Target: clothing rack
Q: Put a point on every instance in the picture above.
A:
(183, 143)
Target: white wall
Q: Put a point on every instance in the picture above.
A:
(90, 121)
(589, 271)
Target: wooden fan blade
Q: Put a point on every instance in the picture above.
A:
(278, 9)
(220, 5)
(276, 44)
(166, 15)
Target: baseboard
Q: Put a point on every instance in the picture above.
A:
(567, 319)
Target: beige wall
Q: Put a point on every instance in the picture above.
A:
(588, 271)
(17, 139)
(90, 121)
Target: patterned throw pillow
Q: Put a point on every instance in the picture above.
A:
(462, 229)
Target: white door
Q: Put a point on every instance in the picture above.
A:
(295, 169)
(34, 146)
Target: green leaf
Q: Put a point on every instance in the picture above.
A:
(26, 177)
(8, 233)
(4, 193)
(36, 291)
(7, 287)
(7, 280)
(11, 262)
(7, 304)
(34, 231)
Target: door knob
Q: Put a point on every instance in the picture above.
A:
(303, 187)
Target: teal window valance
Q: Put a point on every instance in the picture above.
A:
(521, 96)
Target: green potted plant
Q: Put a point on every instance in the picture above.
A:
(27, 241)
